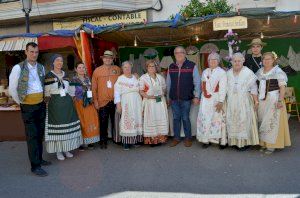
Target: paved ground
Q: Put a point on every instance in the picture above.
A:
(161, 170)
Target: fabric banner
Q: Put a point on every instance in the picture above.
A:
(55, 42)
(84, 51)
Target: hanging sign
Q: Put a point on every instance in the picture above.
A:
(226, 23)
(126, 18)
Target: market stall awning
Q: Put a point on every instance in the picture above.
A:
(49, 42)
(15, 44)
(182, 31)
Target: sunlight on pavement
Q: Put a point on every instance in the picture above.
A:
(131, 194)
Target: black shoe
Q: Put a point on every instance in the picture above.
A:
(126, 147)
(101, 143)
(205, 145)
(105, 145)
(221, 147)
(39, 172)
(243, 148)
(81, 148)
(45, 163)
(91, 147)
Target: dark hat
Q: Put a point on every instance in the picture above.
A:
(53, 58)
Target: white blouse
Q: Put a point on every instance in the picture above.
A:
(212, 77)
(53, 88)
(125, 85)
(275, 73)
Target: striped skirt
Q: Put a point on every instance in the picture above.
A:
(62, 130)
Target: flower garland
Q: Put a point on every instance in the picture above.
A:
(275, 55)
(233, 43)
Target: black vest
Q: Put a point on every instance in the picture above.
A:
(251, 64)
(182, 83)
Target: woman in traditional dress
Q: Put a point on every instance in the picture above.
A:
(211, 126)
(241, 104)
(272, 115)
(62, 133)
(88, 116)
(129, 104)
(153, 89)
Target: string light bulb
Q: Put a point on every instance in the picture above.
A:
(197, 38)
(295, 18)
(261, 35)
(135, 42)
(269, 18)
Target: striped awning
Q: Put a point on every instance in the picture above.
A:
(15, 44)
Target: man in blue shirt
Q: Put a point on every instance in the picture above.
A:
(183, 83)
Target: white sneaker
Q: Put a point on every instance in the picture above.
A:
(60, 156)
(68, 154)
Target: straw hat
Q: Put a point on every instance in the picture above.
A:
(257, 41)
(108, 53)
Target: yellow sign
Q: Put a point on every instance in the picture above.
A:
(126, 18)
(237, 22)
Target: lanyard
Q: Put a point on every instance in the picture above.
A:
(85, 82)
(258, 65)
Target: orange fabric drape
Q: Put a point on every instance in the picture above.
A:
(84, 51)
(78, 47)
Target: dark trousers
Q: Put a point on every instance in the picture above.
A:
(106, 112)
(34, 121)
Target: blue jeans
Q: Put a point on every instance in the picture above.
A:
(181, 111)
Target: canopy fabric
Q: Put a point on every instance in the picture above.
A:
(180, 30)
(163, 33)
(55, 42)
(15, 44)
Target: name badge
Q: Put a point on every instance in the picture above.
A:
(109, 84)
(62, 93)
(89, 94)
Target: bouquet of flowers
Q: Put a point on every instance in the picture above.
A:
(233, 42)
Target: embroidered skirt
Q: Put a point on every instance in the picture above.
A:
(131, 122)
(156, 124)
(117, 138)
(89, 120)
(62, 130)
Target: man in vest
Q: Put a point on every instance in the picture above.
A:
(183, 83)
(26, 86)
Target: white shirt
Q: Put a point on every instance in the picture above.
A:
(34, 83)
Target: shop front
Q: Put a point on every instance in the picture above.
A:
(141, 41)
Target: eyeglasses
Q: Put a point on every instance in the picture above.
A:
(179, 52)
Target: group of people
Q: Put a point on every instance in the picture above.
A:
(240, 107)
(244, 106)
